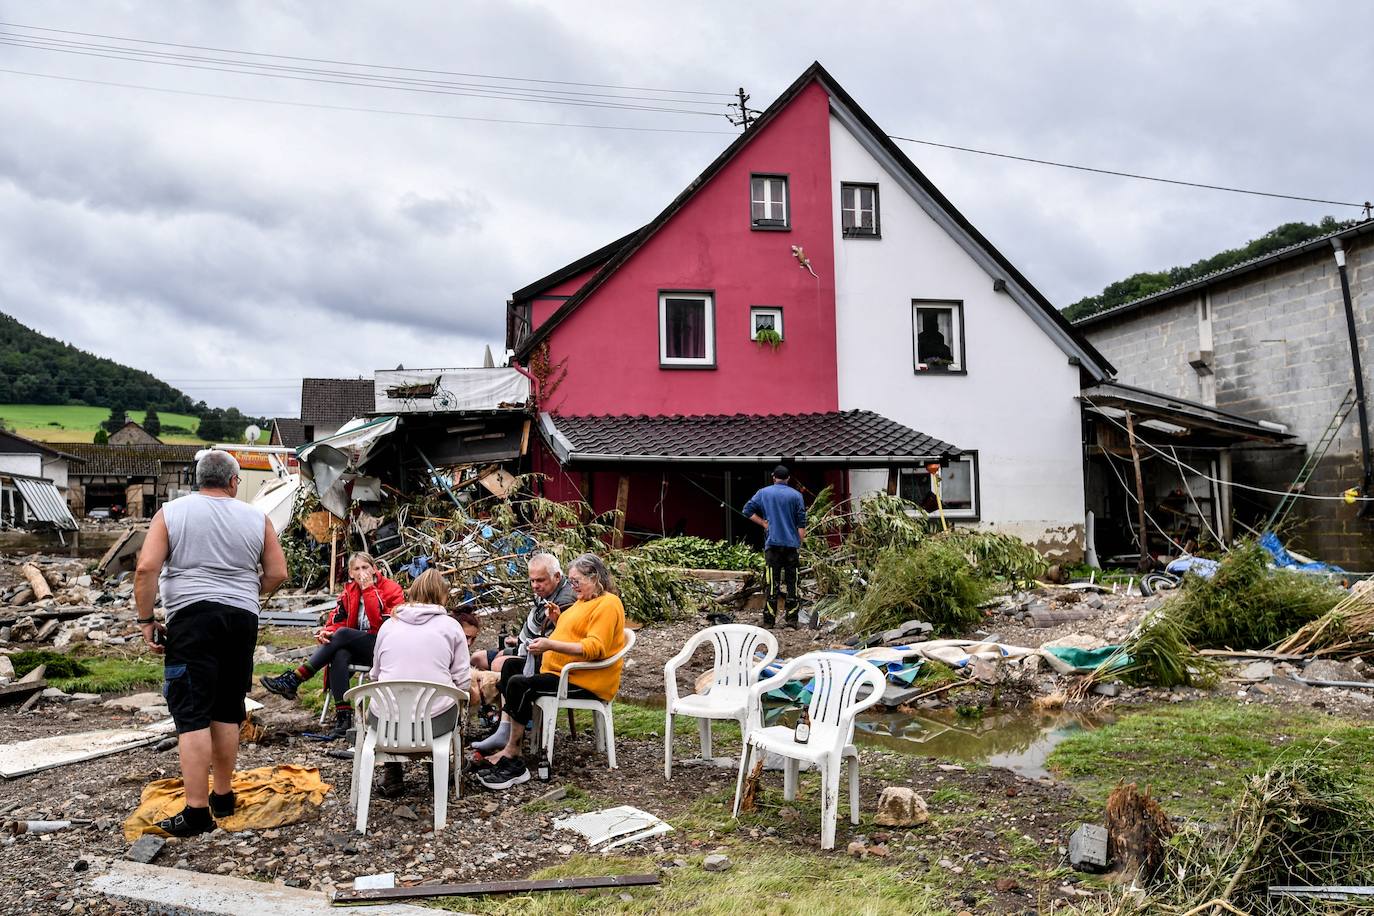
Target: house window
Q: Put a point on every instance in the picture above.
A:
(768, 202)
(764, 316)
(938, 335)
(859, 211)
(686, 330)
(958, 487)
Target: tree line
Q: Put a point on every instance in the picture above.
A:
(1147, 283)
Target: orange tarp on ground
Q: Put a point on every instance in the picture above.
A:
(267, 797)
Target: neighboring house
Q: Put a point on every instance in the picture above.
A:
(137, 478)
(1268, 338)
(33, 483)
(329, 403)
(288, 431)
(132, 433)
(897, 320)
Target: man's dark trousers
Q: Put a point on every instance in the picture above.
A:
(782, 574)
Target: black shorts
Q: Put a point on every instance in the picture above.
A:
(208, 666)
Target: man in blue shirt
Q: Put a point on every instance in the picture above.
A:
(779, 509)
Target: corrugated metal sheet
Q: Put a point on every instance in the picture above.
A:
(45, 503)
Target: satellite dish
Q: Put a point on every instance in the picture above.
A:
(252, 434)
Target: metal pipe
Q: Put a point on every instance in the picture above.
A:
(1367, 484)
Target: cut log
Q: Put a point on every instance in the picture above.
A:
(1071, 614)
(34, 575)
(1137, 831)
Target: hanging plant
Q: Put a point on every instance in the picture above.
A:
(768, 336)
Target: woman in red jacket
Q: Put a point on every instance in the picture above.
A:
(347, 637)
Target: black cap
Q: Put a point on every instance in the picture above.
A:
(781, 473)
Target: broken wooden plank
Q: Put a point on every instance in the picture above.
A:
(37, 583)
(1257, 653)
(1071, 614)
(495, 887)
(36, 754)
(20, 689)
(123, 553)
(622, 506)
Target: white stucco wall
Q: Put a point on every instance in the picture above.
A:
(30, 464)
(1016, 405)
(55, 469)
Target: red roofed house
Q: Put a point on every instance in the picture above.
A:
(906, 337)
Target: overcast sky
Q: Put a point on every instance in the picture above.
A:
(232, 247)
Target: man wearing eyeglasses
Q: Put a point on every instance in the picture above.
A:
(210, 556)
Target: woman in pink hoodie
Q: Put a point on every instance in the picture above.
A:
(422, 643)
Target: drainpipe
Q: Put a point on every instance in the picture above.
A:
(1367, 484)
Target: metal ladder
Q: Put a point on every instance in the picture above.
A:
(1314, 458)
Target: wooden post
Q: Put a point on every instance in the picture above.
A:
(1139, 494)
(622, 505)
(333, 556)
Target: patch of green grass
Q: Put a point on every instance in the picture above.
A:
(763, 880)
(72, 423)
(576, 799)
(951, 795)
(286, 637)
(1203, 751)
(112, 675)
(646, 723)
(56, 663)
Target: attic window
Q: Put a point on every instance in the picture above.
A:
(938, 329)
(859, 210)
(768, 204)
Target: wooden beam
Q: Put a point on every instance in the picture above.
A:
(40, 587)
(622, 505)
(1139, 495)
(494, 887)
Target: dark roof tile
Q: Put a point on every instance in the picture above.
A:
(128, 460)
(335, 401)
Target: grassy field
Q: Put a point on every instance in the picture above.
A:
(65, 423)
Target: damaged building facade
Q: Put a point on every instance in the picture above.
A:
(1270, 338)
(810, 298)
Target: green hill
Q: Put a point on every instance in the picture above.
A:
(73, 423)
(1143, 284)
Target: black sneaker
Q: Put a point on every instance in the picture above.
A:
(506, 773)
(222, 805)
(189, 822)
(283, 685)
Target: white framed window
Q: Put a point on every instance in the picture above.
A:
(686, 329)
(768, 202)
(958, 487)
(859, 210)
(764, 316)
(937, 336)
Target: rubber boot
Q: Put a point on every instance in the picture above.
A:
(343, 723)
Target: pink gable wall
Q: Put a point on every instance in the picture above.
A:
(611, 341)
(543, 308)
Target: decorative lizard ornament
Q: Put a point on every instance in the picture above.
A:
(803, 260)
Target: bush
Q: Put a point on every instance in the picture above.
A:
(1247, 605)
(59, 665)
(699, 553)
(935, 582)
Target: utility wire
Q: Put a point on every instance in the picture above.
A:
(1085, 168)
(358, 109)
(512, 95)
(164, 57)
(317, 60)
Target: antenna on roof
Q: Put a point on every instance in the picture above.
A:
(746, 114)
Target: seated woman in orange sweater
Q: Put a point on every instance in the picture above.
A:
(592, 629)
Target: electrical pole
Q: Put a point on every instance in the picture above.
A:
(746, 114)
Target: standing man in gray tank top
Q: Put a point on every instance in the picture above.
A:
(210, 556)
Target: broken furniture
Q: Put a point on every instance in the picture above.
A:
(837, 684)
(399, 727)
(546, 718)
(737, 666)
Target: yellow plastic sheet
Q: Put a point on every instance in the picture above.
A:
(267, 797)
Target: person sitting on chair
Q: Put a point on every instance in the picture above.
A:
(347, 638)
(424, 643)
(592, 629)
(552, 595)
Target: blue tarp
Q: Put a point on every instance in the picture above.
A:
(1284, 560)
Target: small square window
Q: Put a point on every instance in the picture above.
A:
(765, 316)
(938, 335)
(768, 204)
(859, 211)
(958, 487)
(686, 330)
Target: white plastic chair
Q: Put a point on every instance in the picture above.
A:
(838, 682)
(359, 671)
(547, 717)
(403, 730)
(737, 669)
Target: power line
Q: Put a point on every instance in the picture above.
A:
(157, 57)
(1085, 168)
(317, 60)
(359, 109)
(368, 83)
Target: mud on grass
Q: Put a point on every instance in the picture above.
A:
(1195, 756)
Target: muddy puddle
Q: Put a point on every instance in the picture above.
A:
(1017, 739)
